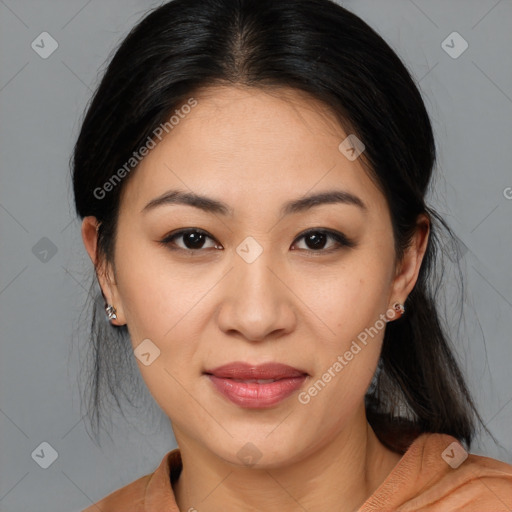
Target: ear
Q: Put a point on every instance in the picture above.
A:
(408, 268)
(104, 271)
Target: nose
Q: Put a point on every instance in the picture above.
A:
(257, 304)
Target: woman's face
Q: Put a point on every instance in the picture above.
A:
(256, 288)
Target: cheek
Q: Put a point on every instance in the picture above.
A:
(346, 357)
(156, 297)
(348, 304)
(346, 300)
(166, 305)
(158, 303)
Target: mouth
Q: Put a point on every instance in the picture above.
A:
(256, 386)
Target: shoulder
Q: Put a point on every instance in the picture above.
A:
(130, 497)
(436, 471)
(149, 492)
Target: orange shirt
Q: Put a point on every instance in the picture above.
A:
(434, 475)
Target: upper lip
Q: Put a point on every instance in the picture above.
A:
(242, 370)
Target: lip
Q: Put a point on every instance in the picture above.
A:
(238, 382)
(246, 371)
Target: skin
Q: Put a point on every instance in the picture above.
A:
(255, 151)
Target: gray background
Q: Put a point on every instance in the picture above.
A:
(42, 295)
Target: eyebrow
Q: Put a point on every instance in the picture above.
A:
(211, 205)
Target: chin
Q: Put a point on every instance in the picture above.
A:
(258, 451)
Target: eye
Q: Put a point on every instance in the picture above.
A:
(192, 239)
(317, 239)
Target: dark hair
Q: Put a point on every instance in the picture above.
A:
(320, 48)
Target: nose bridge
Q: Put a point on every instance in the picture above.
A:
(257, 303)
(254, 277)
(256, 285)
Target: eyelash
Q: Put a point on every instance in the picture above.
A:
(339, 238)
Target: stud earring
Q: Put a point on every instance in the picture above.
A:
(394, 312)
(111, 311)
(399, 308)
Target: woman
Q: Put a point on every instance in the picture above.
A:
(251, 177)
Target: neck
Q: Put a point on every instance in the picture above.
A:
(340, 475)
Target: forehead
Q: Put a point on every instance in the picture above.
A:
(246, 143)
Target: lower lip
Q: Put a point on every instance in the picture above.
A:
(256, 396)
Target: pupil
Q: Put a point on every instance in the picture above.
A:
(194, 240)
(317, 240)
